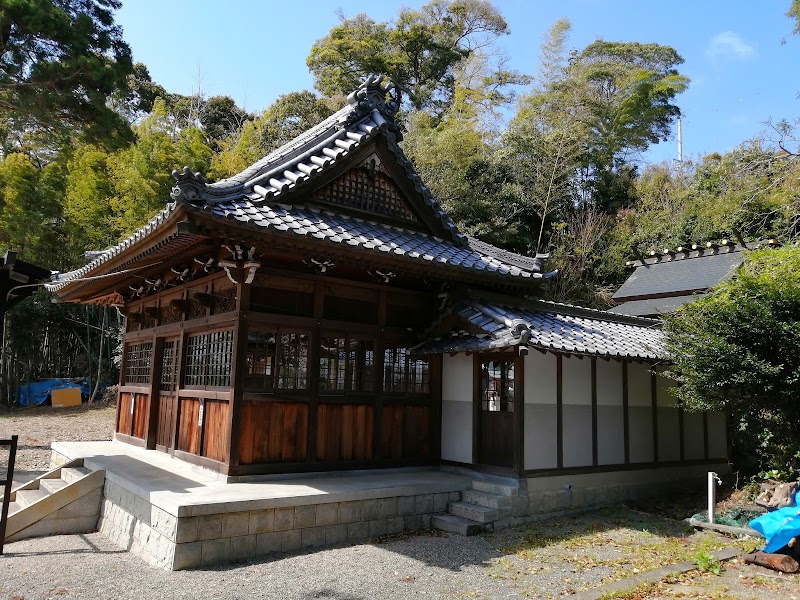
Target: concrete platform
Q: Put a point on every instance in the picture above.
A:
(177, 515)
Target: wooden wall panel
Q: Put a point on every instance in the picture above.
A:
(188, 430)
(141, 412)
(124, 423)
(273, 432)
(407, 432)
(344, 432)
(167, 405)
(215, 430)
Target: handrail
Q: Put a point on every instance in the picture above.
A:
(6, 483)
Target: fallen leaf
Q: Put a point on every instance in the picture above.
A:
(408, 579)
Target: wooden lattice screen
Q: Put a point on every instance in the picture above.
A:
(367, 190)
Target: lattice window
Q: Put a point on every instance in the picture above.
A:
(261, 350)
(293, 361)
(169, 366)
(208, 359)
(138, 362)
(224, 300)
(197, 309)
(405, 374)
(346, 365)
(368, 190)
(497, 385)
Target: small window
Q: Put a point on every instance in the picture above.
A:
(497, 385)
(261, 348)
(404, 374)
(208, 359)
(169, 366)
(346, 365)
(293, 361)
(138, 362)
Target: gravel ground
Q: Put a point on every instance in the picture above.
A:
(421, 566)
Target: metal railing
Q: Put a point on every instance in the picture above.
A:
(6, 486)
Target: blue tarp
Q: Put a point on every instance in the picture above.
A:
(34, 394)
(779, 526)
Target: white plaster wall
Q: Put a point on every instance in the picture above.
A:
(669, 433)
(640, 413)
(610, 416)
(717, 435)
(541, 438)
(577, 411)
(693, 436)
(457, 382)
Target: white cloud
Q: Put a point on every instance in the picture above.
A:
(729, 46)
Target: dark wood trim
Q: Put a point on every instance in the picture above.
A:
(621, 467)
(436, 397)
(205, 393)
(654, 404)
(129, 439)
(519, 414)
(593, 362)
(202, 461)
(681, 433)
(238, 372)
(476, 406)
(626, 420)
(559, 411)
(154, 391)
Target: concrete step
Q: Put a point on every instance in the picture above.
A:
(473, 512)
(13, 507)
(486, 499)
(28, 497)
(52, 485)
(498, 489)
(72, 474)
(455, 524)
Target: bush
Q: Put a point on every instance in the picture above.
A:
(738, 350)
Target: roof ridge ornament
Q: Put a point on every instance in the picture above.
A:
(376, 93)
(189, 185)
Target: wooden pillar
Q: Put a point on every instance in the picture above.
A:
(238, 372)
(151, 430)
(519, 413)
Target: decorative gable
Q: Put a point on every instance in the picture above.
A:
(367, 187)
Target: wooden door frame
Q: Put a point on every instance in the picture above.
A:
(518, 419)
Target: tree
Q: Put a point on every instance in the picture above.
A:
(140, 175)
(736, 351)
(794, 13)
(59, 62)
(289, 116)
(420, 50)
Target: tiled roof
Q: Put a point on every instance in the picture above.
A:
(261, 197)
(324, 225)
(653, 307)
(549, 326)
(681, 272)
(317, 151)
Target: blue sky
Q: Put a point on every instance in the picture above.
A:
(740, 54)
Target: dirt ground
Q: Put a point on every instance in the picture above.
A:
(548, 559)
(38, 426)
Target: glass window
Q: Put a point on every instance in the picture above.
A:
(169, 366)
(404, 374)
(261, 348)
(293, 361)
(497, 385)
(346, 365)
(138, 362)
(208, 359)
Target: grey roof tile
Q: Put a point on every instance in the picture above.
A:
(547, 326)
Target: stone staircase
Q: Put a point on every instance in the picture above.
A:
(64, 500)
(485, 503)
